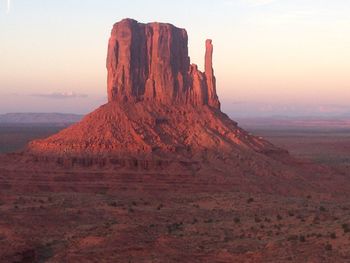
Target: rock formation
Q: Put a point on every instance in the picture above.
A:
(151, 62)
(159, 105)
(213, 99)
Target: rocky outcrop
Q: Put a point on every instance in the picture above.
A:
(150, 62)
(160, 107)
(147, 129)
(213, 99)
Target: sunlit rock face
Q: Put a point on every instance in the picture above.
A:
(159, 106)
(151, 62)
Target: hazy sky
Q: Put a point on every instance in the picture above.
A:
(270, 56)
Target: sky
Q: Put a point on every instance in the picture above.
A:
(271, 57)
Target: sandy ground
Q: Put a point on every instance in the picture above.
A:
(72, 216)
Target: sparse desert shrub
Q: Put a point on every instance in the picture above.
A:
(333, 235)
(257, 219)
(175, 226)
(316, 220)
(292, 238)
(250, 200)
(268, 220)
(302, 238)
(277, 226)
(114, 204)
(322, 209)
(237, 220)
(110, 223)
(279, 217)
(328, 247)
(194, 221)
(208, 221)
(346, 228)
(228, 237)
(290, 213)
(160, 206)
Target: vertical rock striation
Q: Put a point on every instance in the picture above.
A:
(151, 62)
(213, 99)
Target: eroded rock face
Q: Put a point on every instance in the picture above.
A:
(213, 99)
(160, 106)
(151, 62)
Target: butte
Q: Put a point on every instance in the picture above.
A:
(161, 110)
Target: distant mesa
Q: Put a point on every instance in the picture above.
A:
(160, 106)
(39, 118)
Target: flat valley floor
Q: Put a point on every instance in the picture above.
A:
(95, 217)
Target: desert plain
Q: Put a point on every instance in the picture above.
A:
(60, 216)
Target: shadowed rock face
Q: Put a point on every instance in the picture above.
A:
(151, 62)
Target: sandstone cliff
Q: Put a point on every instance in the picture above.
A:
(159, 106)
(151, 62)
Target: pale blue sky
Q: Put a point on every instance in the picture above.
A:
(269, 55)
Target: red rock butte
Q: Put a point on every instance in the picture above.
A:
(150, 62)
(159, 105)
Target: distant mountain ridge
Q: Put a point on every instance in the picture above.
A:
(56, 118)
(248, 122)
(277, 122)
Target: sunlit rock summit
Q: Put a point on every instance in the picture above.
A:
(150, 62)
(160, 106)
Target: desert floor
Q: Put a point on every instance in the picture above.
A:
(91, 217)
